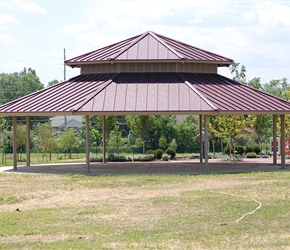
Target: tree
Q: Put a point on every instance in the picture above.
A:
(173, 144)
(187, 131)
(43, 138)
(53, 82)
(116, 139)
(162, 142)
(21, 137)
(278, 88)
(238, 72)
(68, 140)
(141, 126)
(227, 126)
(255, 83)
(19, 84)
(5, 135)
(262, 126)
(164, 125)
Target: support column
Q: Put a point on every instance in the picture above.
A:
(14, 124)
(205, 144)
(200, 139)
(274, 139)
(27, 140)
(104, 139)
(282, 141)
(88, 144)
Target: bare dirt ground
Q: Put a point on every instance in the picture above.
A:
(156, 167)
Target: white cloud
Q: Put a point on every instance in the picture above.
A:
(4, 38)
(6, 19)
(29, 6)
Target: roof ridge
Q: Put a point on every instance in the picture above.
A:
(92, 95)
(133, 42)
(156, 36)
(197, 92)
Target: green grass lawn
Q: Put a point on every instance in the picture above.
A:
(144, 211)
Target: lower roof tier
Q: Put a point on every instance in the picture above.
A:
(146, 93)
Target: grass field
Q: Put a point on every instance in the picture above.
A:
(145, 211)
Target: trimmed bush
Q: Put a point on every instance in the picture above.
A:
(240, 150)
(253, 148)
(116, 158)
(159, 153)
(165, 157)
(96, 159)
(251, 155)
(171, 152)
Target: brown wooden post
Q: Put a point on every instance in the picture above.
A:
(27, 140)
(275, 139)
(14, 123)
(104, 139)
(282, 141)
(205, 144)
(200, 139)
(88, 144)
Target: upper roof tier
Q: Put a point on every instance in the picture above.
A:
(148, 47)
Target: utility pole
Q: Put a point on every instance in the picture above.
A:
(64, 78)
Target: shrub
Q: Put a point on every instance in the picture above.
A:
(147, 157)
(165, 157)
(240, 150)
(96, 159)
(251, 155)
(150, 152)
(116, 158)
(253, 148)
(159, 153)
(171, 152)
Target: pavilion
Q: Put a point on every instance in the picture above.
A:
(143, 75)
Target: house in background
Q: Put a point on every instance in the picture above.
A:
(59, 123)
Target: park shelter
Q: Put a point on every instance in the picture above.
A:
(143, 75)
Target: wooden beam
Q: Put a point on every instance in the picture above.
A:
(205, 144)
(87, 121)
(275, 139)
(27, 140)
(104, 138)
(14, 124)
(200, 139)
(282, 141)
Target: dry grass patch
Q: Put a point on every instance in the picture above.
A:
(143, 211)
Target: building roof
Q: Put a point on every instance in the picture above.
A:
(73, 121)
(147, 93)
(149, 46)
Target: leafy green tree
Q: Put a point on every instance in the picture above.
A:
(5, 135)
(239, 72)
(263, 127)
(53, 82)
(18, 84)
(68, 140)
(21, 138)
(255, 83)
(164, 125)
(116, 139)
(44, 139)
(187, 131)
(173, 144)
(162, 142)
(279, 88)
(141, 126)
(228, 126)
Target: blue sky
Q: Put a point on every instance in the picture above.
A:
(254, 33)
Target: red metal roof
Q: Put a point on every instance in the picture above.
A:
(147, 93)
(148, 46)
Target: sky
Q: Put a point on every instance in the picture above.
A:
(34, 34)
